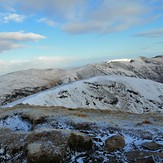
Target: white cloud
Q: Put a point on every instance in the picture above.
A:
(109, 16)
(98, 16)
(152, 33)
(13, 40)
(48, 22)
(41, 62)
(12, 17)
(106, 16)
(20, 36)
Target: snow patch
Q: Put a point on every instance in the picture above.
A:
(119, 60)
(15, 123)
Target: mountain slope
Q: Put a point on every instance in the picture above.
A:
(17, 85)
(104, 92)
(146, 68)
(20, 84)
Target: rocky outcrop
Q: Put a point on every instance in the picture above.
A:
(46, 145)
(20, 93)
(62, 135)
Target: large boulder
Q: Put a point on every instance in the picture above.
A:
(114, 143)
(47, 145)
(38, 153)
(78, 142)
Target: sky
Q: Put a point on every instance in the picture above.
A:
(71, 33)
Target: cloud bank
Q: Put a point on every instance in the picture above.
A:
(41, 62)
(13, 40)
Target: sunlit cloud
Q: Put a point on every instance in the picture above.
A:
(20, 36)
(47, 22)
(12, 17)
(13, 40)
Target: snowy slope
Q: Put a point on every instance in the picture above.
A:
(104, 92)
(119, 60)
(145, 68)
(17, 85)
(23, 83)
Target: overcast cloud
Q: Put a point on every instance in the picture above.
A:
(77, 16)
(152, 33)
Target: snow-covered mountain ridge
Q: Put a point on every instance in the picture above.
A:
(145, 68)
(110, 92)
(20, 84)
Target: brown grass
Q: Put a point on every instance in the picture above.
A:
(146, 122)
(80, 114)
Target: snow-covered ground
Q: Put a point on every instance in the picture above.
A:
(96, 124)
(110, 92)
(119, 60)
(31, 78)
(15, 123)
(146, 68)
(115, 85)
(20, 84)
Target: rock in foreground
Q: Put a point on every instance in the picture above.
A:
(69, 135)
(114, 143)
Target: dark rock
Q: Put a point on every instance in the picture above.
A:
(133, 92)
(145, 160)
(151, 145)
(132, 156)
(83, 126)
(114, 143)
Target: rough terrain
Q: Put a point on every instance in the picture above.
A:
(109, 92)
(58, 134)
(20, 84)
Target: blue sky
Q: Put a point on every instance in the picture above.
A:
(68, 33)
